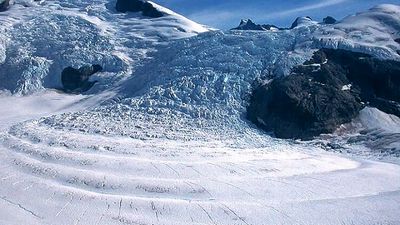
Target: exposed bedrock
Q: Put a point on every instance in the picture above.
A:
(4, 5)
(324, 93)
(329, 20)
(145, 7)
(77, 80)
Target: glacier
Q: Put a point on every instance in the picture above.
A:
(76, 33)
(162, 137)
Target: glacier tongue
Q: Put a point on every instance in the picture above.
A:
(205, 81)
(211, 70)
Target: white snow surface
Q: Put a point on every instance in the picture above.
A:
(372, 32)
(373, 134)
(163, 139)
(38, 41)
(53, 175)
(372, 118)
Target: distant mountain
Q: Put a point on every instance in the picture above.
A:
(329, 20)
(250, 25)
(302, 21)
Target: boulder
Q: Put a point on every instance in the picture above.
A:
(325, 92)
(4, 5)
(77, 80)
(329, 20)
(145, 7)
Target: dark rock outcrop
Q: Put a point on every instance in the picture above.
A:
(324, 93)
(329, 20)
(300, 107)
(4, 5)
(397, 40)
(143, 6)
(250, 25)
(77, 80)
(150, 11)
(129, 5)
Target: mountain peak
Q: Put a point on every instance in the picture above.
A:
(329, 20)
(248, 24)
(301, 21)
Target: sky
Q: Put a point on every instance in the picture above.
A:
(226, 14)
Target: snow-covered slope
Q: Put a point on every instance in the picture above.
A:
(373, 135)
(373, 32)
(37, 42)
(171, 145)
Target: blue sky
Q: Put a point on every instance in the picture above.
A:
(226, 14)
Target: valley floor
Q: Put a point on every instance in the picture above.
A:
(51, 176)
